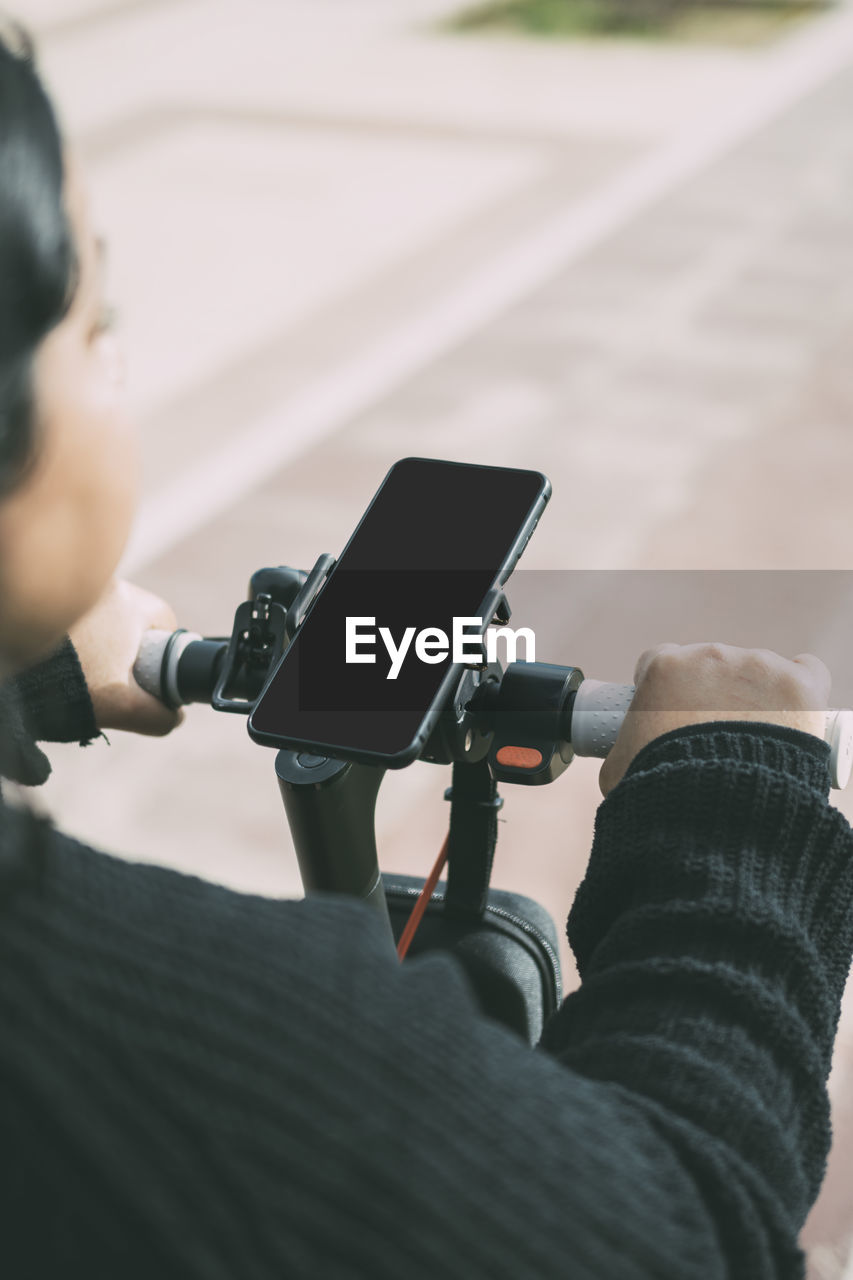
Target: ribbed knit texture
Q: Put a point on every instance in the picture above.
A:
(199, 1084)
(713, 936)
(49, 702)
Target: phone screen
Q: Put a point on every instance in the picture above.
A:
(431, 547)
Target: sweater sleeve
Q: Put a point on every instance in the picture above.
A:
(203, 1085)
(55, 698)
(47, 702)
(713, 936)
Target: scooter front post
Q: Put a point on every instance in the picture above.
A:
(330, 806)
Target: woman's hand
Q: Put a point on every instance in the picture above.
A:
(678, 685)
(107, 641)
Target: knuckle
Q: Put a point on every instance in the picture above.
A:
(761, 665)
(657, 659)
(793, 691)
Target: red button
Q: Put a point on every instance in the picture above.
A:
(519, 757)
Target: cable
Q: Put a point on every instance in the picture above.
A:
(423, 898)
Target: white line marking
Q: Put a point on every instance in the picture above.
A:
(215, 483)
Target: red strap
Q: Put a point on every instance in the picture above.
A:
(423, 898)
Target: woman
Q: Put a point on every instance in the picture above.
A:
(201, 1084)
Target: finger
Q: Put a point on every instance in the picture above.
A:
(153, 718)
(158, 614)
(150, 715)
(713, 650)
(606, 781)
(132, 709)
(819, 674)
(648, 656)
(151, 610)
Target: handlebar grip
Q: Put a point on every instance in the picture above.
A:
(156, 666)
(599, 709)
(149, 661)
(839, 735)
(597, 714)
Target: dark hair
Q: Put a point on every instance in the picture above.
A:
(38, 266)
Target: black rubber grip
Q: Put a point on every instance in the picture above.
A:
(198, 669)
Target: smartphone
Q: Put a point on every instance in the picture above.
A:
(366, 675)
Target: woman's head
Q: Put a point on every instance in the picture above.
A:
(67, 464)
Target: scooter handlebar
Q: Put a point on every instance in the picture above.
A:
(180, 667)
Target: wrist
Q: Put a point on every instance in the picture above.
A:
(55, 698)
(802, 756)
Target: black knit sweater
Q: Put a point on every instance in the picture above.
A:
(196, 1083)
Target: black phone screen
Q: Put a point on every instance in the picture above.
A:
(431, 546)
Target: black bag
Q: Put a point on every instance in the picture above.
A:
(508, 949)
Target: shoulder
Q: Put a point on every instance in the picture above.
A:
(83, 933)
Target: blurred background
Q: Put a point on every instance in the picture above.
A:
(608, 239)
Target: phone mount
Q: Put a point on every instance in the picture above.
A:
(259, 637)
(495, 726)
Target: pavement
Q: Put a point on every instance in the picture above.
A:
(339, 235)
